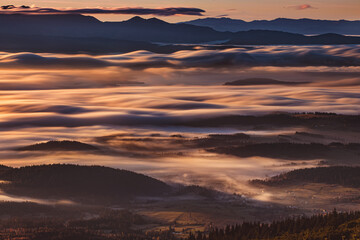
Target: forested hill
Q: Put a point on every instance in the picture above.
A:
(80, 183)
(333, 226)
(341, 175)
(291, 150)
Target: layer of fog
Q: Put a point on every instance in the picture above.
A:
(279, 56)
(320, 65)
(166, 105)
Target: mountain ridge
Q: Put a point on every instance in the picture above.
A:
(302, 25)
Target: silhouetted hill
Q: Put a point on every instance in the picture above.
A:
(59, 146)
(260, 81)
(90, 184)
(266, 37)
(302, 26)
(345, 176)
(79, 26)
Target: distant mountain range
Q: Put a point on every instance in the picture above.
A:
(134, 29)
(302, 26)
(77, 33)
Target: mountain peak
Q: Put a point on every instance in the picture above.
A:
(136, 19)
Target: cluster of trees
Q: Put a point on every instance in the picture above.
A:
(341, 175)
(332, 226)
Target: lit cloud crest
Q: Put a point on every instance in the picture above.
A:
(245, 57)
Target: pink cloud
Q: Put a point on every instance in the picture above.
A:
(301, 7)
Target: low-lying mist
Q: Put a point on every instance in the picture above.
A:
(140, 109)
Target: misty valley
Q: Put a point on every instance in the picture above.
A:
(179, 123)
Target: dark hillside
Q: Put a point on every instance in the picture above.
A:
(59, 146)
(344, 176)
(81, 183)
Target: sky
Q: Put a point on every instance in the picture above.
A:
(239, 9)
